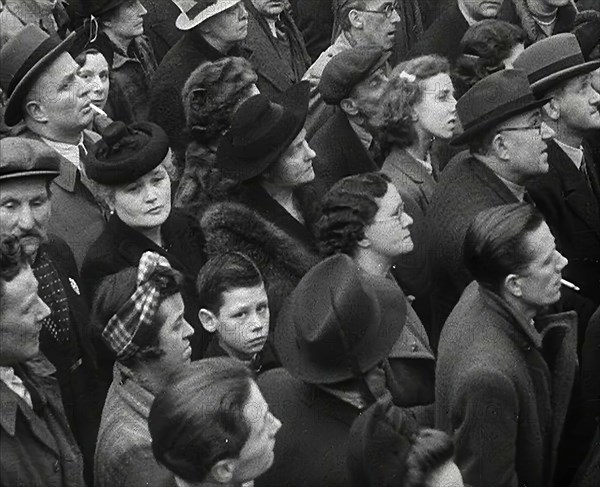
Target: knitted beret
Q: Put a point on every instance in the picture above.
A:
(126, 153)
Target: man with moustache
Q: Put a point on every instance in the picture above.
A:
(444, 35)
(357, 23)
(38, 448)
(212, 30)
(27, 168)
(45, 92)
(569, 195)
(507, 141)
(276, 48)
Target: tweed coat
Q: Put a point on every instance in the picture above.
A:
(124, 455)
(120, 247)
(517, 12)
(572, 210)
(283, 249)
(466, 187)
(277, 68)
(444, 35)
(340, 153)
(38, 448)
(503, 388)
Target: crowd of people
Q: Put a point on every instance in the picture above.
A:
(308, 243)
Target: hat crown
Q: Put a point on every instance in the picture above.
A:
(22, 157)
(254, 119)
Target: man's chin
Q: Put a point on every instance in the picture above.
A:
(30, 245)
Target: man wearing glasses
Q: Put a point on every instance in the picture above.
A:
(507, 142)
(356, 23)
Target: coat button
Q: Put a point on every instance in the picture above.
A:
(56, 466)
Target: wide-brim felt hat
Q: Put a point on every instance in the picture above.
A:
(492, 100)
(334, 325)
(261, 131)
(23, 157)
(551, 61)
(194, 12)
(86, 8)
(23, 58)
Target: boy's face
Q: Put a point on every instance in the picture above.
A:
(242, 322)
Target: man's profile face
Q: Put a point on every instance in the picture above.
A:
(378, 28)
(25, 211)
(231, 25)
(579, 103)
(367, 94)
(269, 8)
(21, 315)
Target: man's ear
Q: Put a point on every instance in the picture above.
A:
(208, 319)
(348, 105)
(552, 109)
(364, 243)
(36, 111)
(499, 147)
(512, 285)
(355, 19)
(222, 471)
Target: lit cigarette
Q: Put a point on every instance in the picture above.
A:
(99, 111)
(570, 285)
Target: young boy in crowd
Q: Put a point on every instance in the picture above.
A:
(235, 307)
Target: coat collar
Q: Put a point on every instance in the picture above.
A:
(133, 392)
(405, 163)
(489, 179)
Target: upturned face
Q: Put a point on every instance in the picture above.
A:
(231, 25)
(436, 111)
(126, 21)
(579, 104)
(378, 23)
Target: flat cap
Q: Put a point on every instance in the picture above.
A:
(345, 70)
(24, 157)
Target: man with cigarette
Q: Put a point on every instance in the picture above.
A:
(52, 104)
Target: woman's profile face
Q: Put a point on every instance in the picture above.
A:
(145, 203)
(95, 73)
(435, 113)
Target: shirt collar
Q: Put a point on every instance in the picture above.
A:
(516, 189)
(69, 151)
(365, 137)
(574, 153)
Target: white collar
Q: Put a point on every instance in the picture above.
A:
(574, 153)
(69, 151)
(516, 189)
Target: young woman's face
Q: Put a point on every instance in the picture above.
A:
(95, 73)
(435, 113)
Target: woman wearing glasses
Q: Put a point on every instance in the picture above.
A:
(363, 216)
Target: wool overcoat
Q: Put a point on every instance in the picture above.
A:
(503, 389)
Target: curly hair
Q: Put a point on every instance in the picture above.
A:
(402, 93)
(484, 48)
(12, 259)
(431, 450)
(347, 208)
(211, 95)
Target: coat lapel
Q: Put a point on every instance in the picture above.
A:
(405, 166)
(489, 179)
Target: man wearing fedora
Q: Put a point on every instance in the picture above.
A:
(333, 339)
(27, 168)
(569, 195)
(356, 23)
(270, 213)
(212, 30)
(44, 91)
(507, 141)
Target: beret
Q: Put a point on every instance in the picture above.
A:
(345, 70)
(24, 157)
(126, 153)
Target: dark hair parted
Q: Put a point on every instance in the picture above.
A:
(484, 48)
(496, 243)
(229, 270)
(396, 125)
(431, 450)
(347, 208)
(114, 291)
(12, 259)
(199, 419)
(211, 95)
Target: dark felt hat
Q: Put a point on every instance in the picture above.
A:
(86, 8)
(334, 325)
(24, 157)
(348, 68)
(23, 58)
(86, 40)
(553, 60)
(261, 131)
(378, 445)
(587, 31)
(126, 153)
(492, 100)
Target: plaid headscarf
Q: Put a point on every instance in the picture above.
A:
(124, 334)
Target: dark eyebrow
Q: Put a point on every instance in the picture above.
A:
(67, 79)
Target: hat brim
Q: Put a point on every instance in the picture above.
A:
(183, 22)
(378, 343)
(295, 110)
(14, 109)
(543, 85)
(45, 173)
(488, 123)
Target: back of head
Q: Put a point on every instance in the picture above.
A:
(12, 260)
(199, 420)
(223, 272)
(495, 243)
(347, 208)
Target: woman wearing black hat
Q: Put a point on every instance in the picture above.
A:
(266, 216)
(130, 168)
(364, 217)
